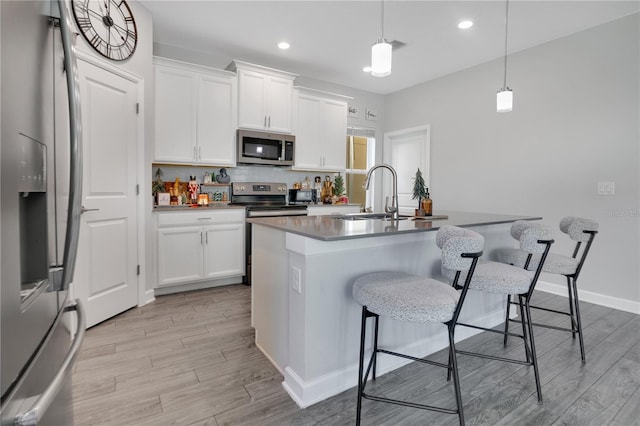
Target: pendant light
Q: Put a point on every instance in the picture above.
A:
(504, 99)
(381, 53)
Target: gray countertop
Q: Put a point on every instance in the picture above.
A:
(328, 228)
(213, 206)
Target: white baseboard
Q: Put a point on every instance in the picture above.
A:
(149, 297)
(306, 393)
(591, 297)
(199, 285)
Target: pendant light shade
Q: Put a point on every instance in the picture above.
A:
(381, 52)
(381, 59)
(504, 99)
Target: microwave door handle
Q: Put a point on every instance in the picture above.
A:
(46, 398)
(75, 149)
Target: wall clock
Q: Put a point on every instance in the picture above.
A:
(108, 26)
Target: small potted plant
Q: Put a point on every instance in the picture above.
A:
(338, 189)
(419, 191)
(157, 186)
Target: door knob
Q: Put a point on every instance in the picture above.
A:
(83, 210)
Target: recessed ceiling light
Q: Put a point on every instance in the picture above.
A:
(463, 25)
(366, 69)
(283, 45)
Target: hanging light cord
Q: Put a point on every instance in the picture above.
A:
(506, 32)
(382, 20)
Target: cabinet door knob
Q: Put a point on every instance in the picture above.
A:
(269, 125)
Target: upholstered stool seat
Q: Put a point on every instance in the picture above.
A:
(495, 277)
(406, 297)
(554, 264)
(411, 298)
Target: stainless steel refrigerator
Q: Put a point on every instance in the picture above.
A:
(40, 184)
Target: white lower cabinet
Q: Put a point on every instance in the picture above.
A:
(180, 256)
(224, 249)
(198, 246)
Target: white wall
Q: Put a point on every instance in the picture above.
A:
(575, 123)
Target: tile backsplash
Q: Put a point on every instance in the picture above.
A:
(238, 174)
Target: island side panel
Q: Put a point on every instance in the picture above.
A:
(269, 294)
(324, 320)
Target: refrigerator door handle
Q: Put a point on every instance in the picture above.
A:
(75, 157)
(35, 413)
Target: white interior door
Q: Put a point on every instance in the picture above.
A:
(106, 273)
(407, 150)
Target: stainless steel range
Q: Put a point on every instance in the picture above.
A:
(262, 199)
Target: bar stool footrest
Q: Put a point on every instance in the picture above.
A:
(495, 358)
(425, 361)
(553, 327)
(409, 404)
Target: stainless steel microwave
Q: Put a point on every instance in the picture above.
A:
(265, 148)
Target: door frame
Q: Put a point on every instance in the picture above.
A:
(84, 56)
(425, 130)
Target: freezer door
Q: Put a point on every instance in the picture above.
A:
(43, 394)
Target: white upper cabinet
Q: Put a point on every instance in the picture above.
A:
(321, 130)
(216, 126)
(175, 136)
(196, 114)
(265, 97)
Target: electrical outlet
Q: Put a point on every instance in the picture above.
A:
(296, 279)
(606, 188)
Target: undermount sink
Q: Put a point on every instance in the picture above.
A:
(365, 216)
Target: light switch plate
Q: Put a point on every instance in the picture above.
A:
(606, 188)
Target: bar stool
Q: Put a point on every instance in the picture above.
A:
(500, 278)
(579, 230)
(405, 297)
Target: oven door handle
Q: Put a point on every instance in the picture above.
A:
(274, 213)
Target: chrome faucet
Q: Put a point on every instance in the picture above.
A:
(394, 197)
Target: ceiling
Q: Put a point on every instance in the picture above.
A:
(331, 40)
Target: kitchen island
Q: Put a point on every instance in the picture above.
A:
(305, 318)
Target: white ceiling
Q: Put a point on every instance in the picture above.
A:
(331, 40)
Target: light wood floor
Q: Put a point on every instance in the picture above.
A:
(190, 359)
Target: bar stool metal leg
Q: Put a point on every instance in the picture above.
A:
(506, 320)
(571, 304)
(363, 328)
(578, 320)
(376, 319)
(524, 331)
(534, 357)
(454, 369)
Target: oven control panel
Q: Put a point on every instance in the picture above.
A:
(258, 188)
